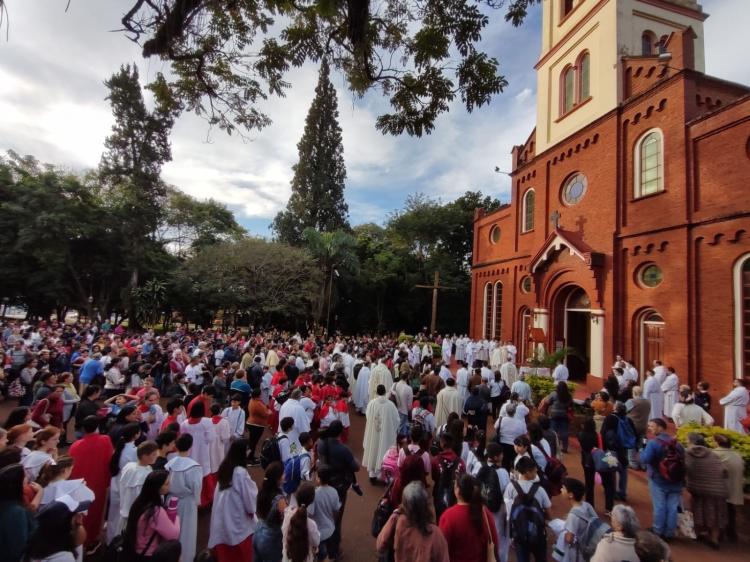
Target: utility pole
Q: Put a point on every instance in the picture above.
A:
(435, 288)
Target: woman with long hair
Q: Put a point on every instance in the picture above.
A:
(468, 526)
(588, 438)
(267, 540)
(125, 452)
(51, 475)
(301, 536)
(16, 520)
(202, 430)
(560, 402)
(17, 416)
(411, 533)
(233, 513)
(150, 521)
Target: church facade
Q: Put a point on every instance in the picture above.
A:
(628, 230)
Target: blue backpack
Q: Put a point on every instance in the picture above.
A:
(293, 473)
(625, 433)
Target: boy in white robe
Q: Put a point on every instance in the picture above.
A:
(235, 416)
(735, 406)
(362, 388)
(653, 393)
(670, 387)
(185, 481)
(132, 477)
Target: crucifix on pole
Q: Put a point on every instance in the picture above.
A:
(436, 286)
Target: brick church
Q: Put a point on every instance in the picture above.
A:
(628, 231)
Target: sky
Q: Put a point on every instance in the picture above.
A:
(52, 105)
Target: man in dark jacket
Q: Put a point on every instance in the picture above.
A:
(475, 409)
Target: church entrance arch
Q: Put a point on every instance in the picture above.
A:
(572, 328)
(651, 328)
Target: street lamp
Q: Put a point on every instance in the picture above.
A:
(330, 289)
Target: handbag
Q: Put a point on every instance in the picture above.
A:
(382, 513)
(605, 461)
(490, 543)
(686, 525)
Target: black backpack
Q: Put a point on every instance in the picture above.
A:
(269, 451)
(489, 483)
(527, 525)
(443, 494)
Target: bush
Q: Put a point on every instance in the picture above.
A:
(543, 386)
(437, 351)
(405, 338)
(740, 442)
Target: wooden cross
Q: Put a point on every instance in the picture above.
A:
(435, 288)
(555, 219)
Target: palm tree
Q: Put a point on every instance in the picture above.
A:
(332, 251)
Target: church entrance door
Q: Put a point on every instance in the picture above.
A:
(573, 323)
(652, 340)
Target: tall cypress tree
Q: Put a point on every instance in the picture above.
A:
(317, 199)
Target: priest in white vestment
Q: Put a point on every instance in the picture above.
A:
(447, 345)
(448, 400)
(185, 481)
(379, 375)
(671, 389)
(653, 393)
(427, 351)
(735, 406)
(496, 359)
(660, 371)
(462, 380)
(509, 372)
(381, 430)
(512, 351)
(461, 348)
(362, 387)
(292, 408)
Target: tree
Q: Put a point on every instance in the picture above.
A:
(227, 55)
(189, 224)
(317, 199)
(131, 166)
(331, 250)
(269, 281)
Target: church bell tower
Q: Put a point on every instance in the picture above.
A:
(579, 72)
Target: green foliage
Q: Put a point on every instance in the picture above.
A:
(740, 442)
(226, 56)
(552, 359)
(543, 386)
(405, 338)
(317, 199)
(268, 282)
(150, 299)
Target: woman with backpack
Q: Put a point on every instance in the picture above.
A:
(410, 533)
(560, 402)
(618, 435)
(468, 526)
(267, 541)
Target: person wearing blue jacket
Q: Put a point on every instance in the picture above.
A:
(665, 493)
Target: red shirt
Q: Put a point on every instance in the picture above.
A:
(465, 542)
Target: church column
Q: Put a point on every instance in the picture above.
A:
(541, 320)
(597, 342)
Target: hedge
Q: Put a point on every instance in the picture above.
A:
(543, 386)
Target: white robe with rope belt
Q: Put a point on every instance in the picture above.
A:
(381, 430)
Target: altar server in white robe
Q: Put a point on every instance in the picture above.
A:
(381, 430)
(671, 389)
(125, 452)
(462, 380)
(132, 477)
(362, 388)
(447, 345)
(448, 400)
(203, 433)
(735, 406)
(511, 350)
(379, 375)
(415, 355)
(185, 480)
(294, 409)
(233, 519)
(660, 371)
(471, 347)
(427, 350)
(496, 358)
(445, 373)
(653, 393)
(461, 348)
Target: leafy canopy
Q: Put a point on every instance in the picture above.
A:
(228, 55)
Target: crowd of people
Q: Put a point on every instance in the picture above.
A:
(120, 439)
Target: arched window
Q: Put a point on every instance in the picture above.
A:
(648, 42)
(498, 323)
(487, 320)
(649, 164)
(584, 62)
(528, 211)
(568, 89)
(742, 317)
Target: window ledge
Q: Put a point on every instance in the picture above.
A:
(649, 196)
(526, 231)
(569, 14)
(574, 109)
